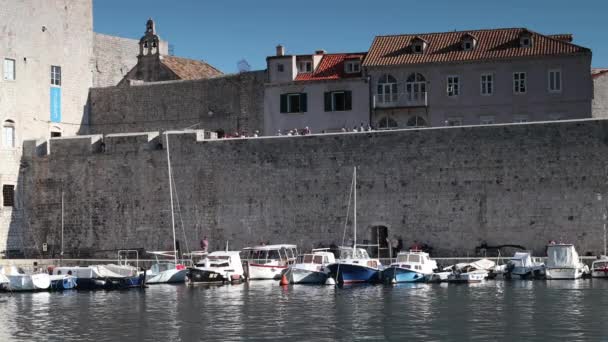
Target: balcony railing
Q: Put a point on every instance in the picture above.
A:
(392, 100)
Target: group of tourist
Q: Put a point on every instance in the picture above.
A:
(296, 131)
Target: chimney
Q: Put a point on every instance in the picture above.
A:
(320, 52)
(280, 50)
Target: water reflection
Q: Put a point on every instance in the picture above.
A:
(515, 310)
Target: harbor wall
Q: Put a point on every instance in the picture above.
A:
(453, 188)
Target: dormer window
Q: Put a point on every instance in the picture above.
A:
(525, 39)
(468, 42)
(351, 67)
(418, 45)
(305, 66)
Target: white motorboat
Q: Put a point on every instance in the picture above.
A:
(310, 268)
(563, 262)
(524, 266)
(474, 272)
(412, 266)
(599, 268)
(268, 262)
(218, 267)
(15, 279)
(165, 272)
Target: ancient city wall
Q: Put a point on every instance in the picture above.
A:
(228, 103)
(453, 188)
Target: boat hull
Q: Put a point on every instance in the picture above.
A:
(111, 283)
(22, 282)
(563, 273)
(402, 275)
(173, 276)
(257, 271)
(349, 273)
(60, 283)
(470, 277)
(198, 276)
(302, 276)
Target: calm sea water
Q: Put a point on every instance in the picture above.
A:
(496, 310)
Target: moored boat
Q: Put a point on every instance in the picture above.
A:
(310, 268)
(355, 266)
(268, 262)
(218, 267)
(166, 272)
(63, 282)
(103, 277)
(410, 267)
(599, 267)
(15, 279)
(522, 265)
(474, 272)
(563, 262)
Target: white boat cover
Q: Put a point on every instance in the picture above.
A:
(562, 256)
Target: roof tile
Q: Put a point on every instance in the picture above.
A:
(331, 67)
(190, 69)
(445, 47)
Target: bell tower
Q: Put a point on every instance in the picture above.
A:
(149, 43)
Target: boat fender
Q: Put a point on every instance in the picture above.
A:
(284, 281)
(330, 281)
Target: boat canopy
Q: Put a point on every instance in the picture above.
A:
(412, 257)
(561, 256)
(347, 253)
(522, 259)
(316, 258)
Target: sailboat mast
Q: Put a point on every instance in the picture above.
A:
(355, 213)
(171, 195)
(62, 220)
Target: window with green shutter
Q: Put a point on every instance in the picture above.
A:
(338, 101)
(293, 103)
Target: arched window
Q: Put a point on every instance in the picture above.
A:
(416, 121)
(387, 89)
(387, 123)
(415, 87)
(8, 134)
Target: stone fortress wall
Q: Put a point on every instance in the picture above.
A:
(230, 103)
(453, 188)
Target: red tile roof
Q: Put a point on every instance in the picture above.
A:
(331, 67)
(190, 69)
(597, 72)
(446, 47)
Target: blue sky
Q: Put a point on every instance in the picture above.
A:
(226, 31)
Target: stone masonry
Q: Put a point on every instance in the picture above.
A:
(228, 103)
(453, 188)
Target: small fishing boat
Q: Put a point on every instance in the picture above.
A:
(599, 267)
(474, 272)
(355, 266)
(15, 279)
(522, 265)
(166, 272)
(563, 262)
(410, 267)
(269, 262)
(311, 268)
(218, 267)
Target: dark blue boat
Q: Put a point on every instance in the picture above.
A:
(60, 283)
(357, 268)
